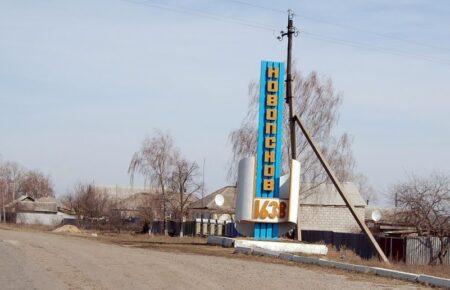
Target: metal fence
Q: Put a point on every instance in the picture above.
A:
(423, 250)
(410, 250)
(358, 243)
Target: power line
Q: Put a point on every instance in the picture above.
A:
(378, 34)
(316, 36)
(362, 45)
(357, 29)
(203, 14)
(259, 6)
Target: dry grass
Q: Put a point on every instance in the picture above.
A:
(348, 256)
(193, 245)
(35, 228)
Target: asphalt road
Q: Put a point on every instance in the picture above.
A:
(35, 260)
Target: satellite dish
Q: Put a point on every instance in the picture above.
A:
(376, 215)
(219, 200)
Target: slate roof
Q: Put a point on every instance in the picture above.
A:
(229, 195)
(26, 203)
(327, 195)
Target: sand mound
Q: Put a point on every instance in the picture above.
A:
(67, 229)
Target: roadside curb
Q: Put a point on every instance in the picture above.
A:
(220, 241)
(388, 273)
(435, 281)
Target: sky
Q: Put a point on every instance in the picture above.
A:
(82, 83)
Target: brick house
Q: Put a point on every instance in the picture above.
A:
(322, 209)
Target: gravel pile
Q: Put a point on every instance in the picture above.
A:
(67, 229)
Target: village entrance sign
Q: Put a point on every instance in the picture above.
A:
(267, 203)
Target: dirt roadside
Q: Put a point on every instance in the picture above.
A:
(54, 261)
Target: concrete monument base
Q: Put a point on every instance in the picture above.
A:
(280, 246)
(274, 246)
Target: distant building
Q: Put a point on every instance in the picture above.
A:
(121, 192)
(44, 211)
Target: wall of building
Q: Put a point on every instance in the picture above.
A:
(46, 219)
(329, 218)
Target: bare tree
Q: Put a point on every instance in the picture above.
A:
(150, 206)
(318, 104)
(10, 177)
(367, 192)
(153, 162)
(184, 184)
(14, 180)
(35, 184)
(14, 173)
(425, 204)
(3, 190)
(88, 202)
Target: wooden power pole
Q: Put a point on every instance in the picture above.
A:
(291, 31)
(293, 119)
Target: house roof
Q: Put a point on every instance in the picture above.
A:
(19, 199)
(46, 199)
(122, 192)
(229, 195)
(26, 203)
(30, 206)
(326, 194)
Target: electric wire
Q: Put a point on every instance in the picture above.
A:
(316, 36)
(375, 48)
(344, 26)
(204, 14)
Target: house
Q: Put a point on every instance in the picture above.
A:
(320, 209)
(323, 209)
(207, 208)
(44, 211)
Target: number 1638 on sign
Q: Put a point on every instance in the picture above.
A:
(270, 210)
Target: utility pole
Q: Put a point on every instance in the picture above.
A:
(291, 31)
(4, 193)
(294, 120)
(203, 196)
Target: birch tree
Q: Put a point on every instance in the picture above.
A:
(318, 104)
(153, 161)
(184, 184)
